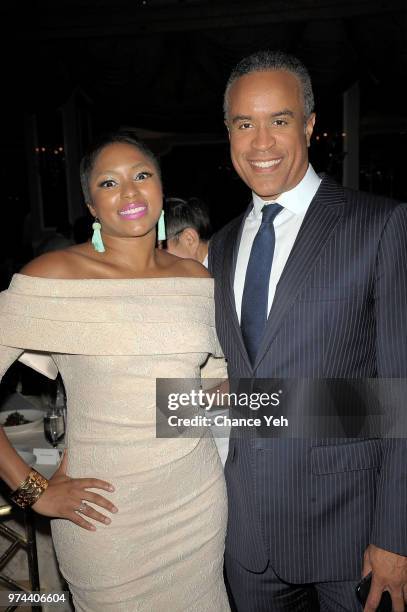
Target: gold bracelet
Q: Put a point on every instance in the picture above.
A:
(30, 490)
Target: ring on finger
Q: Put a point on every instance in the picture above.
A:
(82, 507)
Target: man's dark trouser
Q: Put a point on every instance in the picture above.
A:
(266, 592)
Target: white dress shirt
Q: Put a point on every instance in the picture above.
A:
(286, 227)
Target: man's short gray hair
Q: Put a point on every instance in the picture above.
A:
(263, 61)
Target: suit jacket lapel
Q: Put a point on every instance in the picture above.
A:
(320, 220)
(228, 275)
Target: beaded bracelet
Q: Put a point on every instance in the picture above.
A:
(30, 490)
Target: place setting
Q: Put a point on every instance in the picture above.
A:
(35, 425)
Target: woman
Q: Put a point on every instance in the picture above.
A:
(115, 315)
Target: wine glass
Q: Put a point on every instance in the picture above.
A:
(54, 425)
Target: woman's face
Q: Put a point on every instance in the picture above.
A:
(126, 191)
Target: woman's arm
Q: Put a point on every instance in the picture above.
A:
(13, 470)
(64, 495)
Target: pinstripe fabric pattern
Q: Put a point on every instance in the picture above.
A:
(311, 507)
(265, 592)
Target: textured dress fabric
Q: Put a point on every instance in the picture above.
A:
(111, 340)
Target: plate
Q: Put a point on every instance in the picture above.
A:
(35, 417)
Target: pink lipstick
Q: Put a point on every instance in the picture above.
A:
(133, 211)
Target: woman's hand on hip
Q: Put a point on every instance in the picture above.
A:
(66, 498)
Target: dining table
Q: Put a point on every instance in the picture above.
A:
(45, 461)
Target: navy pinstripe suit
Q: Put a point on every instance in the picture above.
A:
(311, 507)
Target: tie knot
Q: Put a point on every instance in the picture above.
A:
(270, 212)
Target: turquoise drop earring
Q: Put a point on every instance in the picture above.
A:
(96, 237)
(161, 227)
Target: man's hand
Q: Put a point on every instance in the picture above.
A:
(389, 573)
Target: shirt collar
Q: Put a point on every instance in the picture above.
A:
(297, 199)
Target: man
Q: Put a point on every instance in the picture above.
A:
(188, 228)
(310, 283)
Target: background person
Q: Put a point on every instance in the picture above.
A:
(188, 228)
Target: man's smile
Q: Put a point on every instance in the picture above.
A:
(266, 164)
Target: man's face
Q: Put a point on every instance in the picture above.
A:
(269, 134)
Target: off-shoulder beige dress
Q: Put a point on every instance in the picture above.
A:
(110, 340)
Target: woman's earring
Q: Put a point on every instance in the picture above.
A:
(96, 237)
(161, 227)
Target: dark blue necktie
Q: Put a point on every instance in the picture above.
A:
(256, 284)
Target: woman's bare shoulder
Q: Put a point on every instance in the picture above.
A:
(190, 268)
(174, 266)
(62, 264)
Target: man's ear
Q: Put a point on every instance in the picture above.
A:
(190, 239)
(309, 128)
(227, 127)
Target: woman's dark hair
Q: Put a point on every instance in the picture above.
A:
(180, 214)
(89, 159)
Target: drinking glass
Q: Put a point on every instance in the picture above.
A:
(54, 425)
